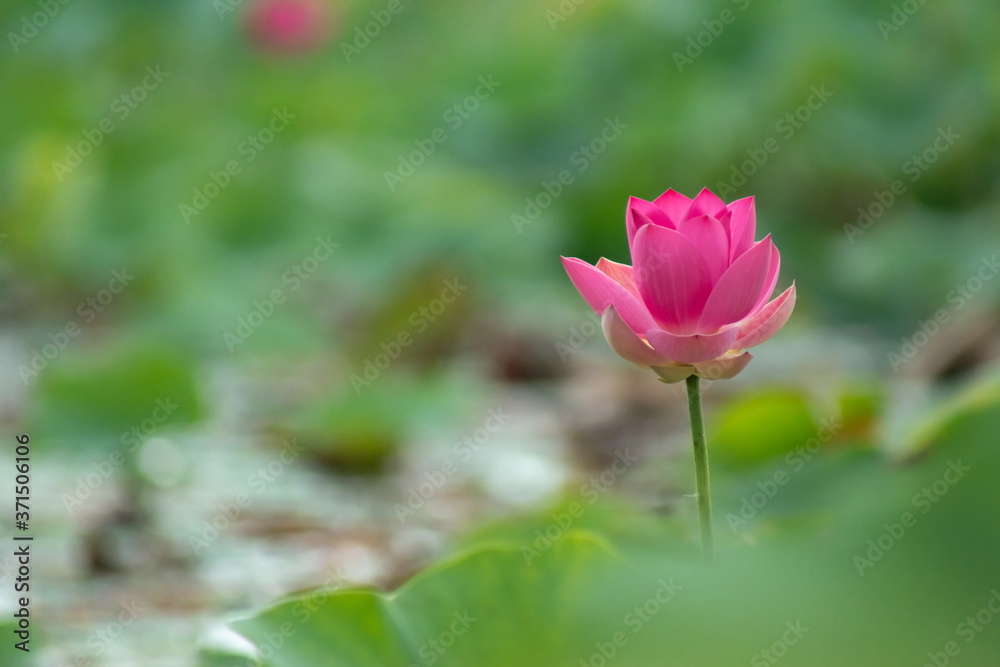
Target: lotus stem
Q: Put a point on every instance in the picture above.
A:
(703, 489)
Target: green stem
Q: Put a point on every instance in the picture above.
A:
(703, 486)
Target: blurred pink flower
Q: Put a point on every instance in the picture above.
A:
(697, 294)
(289, 26)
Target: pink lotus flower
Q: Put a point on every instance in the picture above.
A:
(289, 26)
(697, 294)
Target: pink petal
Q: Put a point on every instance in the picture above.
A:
(707, 203)
(742, 227)
(673, 277)
(620, 273)
(723, 368)
(600, 291)
(766, 322)
(710, 236)
(772, 278)
(736, 292)
(671, 373)
(640, 212)
(674, 204)
(626, 343)
(694, 348)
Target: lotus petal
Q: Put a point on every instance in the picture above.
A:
(709, 235)
(626, 343)
(673, 277)
(694, 348)
(640, 212)
(742, 227)
(620, 273)
(725, 367)
(674, 373)
(765, 323)
(675, 205)
(600, 291)
(707, 203)
(735, 294)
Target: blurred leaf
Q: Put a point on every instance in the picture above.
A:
(760, 426)
(861, 406)
(794, 592)
(15, 657)
(486, 607)
(357, 424)
(105, 395)
(978, 398)
(621, 521)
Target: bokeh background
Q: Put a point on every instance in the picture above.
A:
(282, 308)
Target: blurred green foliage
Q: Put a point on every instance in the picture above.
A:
(124, 396)
(747, 430)
(353, 121)
(875, 566)
(164, 97)
(256, 199)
